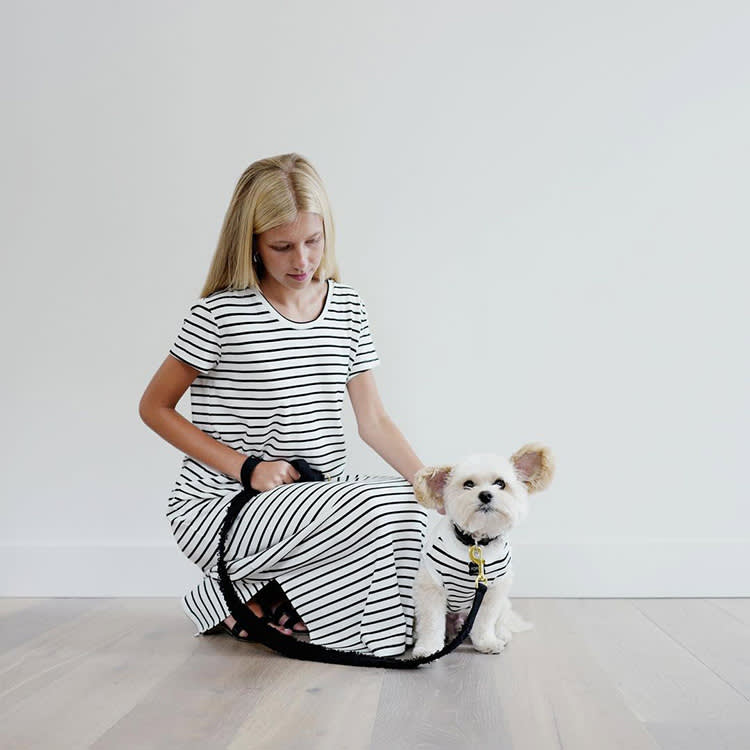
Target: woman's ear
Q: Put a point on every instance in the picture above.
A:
(534, 466)
(429, 483)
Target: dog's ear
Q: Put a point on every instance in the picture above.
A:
(429, 483)
(534, 466)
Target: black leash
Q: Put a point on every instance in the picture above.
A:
(261, 632)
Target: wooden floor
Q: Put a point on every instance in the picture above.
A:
(593, 673)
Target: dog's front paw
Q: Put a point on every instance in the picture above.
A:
(504, 633)
(488, 644)
(425, 648)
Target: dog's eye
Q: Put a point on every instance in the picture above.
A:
(468, 483)
(500, 483)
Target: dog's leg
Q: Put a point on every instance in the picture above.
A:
(502, 628)
(429, 602)
(494, 606)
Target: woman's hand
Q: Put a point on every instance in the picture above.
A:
(269, 474)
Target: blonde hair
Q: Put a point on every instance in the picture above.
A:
(270, 192)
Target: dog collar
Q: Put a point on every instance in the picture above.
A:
(465, 538)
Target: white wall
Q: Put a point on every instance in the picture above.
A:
(543, 204)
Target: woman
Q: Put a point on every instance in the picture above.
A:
(267, 351)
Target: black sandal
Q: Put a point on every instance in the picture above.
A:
(273, 592)
(269, 616)
(234, 631)
(292, 618)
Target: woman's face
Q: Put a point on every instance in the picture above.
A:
(292, 249)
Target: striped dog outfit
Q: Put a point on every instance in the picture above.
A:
(447, 560)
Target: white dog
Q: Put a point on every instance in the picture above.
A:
(482, 498)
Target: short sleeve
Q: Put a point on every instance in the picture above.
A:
(365, 357)
(198, 343)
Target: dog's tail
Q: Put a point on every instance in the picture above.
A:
(511, 620)
(515, 623)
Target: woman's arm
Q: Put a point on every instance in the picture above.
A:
(157, 410)
(377, 429)
(388, 442)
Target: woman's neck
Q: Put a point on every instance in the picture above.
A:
(290, 299)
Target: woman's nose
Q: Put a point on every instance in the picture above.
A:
(299, 258)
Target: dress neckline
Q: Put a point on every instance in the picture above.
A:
(298, 323)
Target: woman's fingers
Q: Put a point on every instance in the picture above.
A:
(292, 474)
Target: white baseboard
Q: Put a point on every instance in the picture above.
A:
(651, 568)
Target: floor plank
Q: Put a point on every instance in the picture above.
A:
(9, 606)
(738, 608)
(593, 673)
(682, 703)
(31, 618)
(333, 707)
(444, 704)
(709, 633)
(199, 702)
(557, 680)
(68, 685)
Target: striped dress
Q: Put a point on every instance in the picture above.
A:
(345, 550)
(447, 560)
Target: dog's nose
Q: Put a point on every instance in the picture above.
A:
(485, 496)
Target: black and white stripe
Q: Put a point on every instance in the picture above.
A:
(346, 553)
(346, 550)
(270, 386)
(447, 560)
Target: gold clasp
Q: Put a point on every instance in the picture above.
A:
(475, 555)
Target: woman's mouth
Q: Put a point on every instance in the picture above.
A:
(299, 278)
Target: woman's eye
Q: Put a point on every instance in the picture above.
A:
(500, 483)
(286, 247)
(468, 483)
